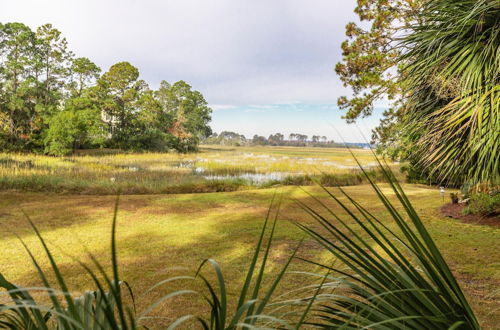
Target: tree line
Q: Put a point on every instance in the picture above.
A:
(54, 102)
(278, 139)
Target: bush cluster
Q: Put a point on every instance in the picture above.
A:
(483, 204)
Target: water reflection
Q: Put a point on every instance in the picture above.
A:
(252, 178)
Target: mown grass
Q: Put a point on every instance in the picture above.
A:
(212, 170)
(158, 233)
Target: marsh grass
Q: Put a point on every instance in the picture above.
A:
(212, 170)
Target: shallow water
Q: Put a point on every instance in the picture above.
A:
(252, 178)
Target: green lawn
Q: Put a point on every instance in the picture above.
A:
(157, 234)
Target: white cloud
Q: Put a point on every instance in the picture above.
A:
(217, 107)
(233, 51)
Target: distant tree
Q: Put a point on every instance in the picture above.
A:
(190, 112)
(78, 125)
(119, 92)
(84, 73)
(259, 140)
(301, 137)
(231, 138)
(276, 139)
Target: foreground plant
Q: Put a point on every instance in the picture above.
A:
(388, 278)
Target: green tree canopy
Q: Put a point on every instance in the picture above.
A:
(189, 111)
(54, 102)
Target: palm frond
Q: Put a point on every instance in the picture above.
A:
(393, 276)
(451, 76)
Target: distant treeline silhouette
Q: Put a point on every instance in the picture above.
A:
(294, 139)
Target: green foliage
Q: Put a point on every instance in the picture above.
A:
(370, 61)
(44, 90)
(189, 112)
(19, 92)
(119, 91)
(77, 126)
(390, 279)
(83, 73)
(451, 79)
(438, 61)
(370, 66)
(416, 174)
(483, 204)
(65, 128)
(466, 190)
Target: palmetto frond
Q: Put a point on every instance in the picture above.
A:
(452, 78)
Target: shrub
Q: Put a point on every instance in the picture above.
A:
(483, 204)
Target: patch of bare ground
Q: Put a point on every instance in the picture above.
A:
(455, 211)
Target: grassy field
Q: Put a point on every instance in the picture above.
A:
(161, 235)
(157, 234)
(214, 169)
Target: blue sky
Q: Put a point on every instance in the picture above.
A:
(304, 118)
(263, 65)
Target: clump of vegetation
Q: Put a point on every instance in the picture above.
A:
(484, 204)
(351, 178)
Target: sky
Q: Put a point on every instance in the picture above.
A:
(264, 66)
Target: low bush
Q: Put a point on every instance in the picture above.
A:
(483, 204)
